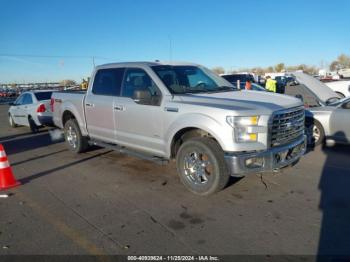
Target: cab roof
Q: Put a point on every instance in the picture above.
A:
(145, 63)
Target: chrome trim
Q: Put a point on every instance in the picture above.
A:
(282, 123)
(236, 161)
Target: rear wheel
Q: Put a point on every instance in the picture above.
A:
(33, 127)
(201, 166)
(75, 140)
(11, 122)
(314, 132)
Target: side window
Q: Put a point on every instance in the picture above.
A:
(108, 82)
(19, 100)
(137, 79)
(27, 99)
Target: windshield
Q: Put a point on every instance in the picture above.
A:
(43, 96)
(191, 79)
(257, 87)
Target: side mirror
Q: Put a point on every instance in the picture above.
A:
(346, 105)
(142, 97)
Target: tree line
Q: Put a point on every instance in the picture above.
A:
(342, 61)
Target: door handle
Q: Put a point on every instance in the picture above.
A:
(119, 108)
(89, 104)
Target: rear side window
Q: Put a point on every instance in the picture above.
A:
(19, 100)
(27, 100)
(43, 96)
(108, 82)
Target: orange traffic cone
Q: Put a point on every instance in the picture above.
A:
(7, 180)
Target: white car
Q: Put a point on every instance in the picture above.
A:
(31, 109)
(342, 87)
(331, 122)
(345, 72)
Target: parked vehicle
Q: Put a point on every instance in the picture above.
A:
(313, 92)
(283, 81)
(185, 112)
(330, 122)
(241, 78)
(326, 115)
(31, 109)
(342, 88)
(7, 93)
(343, 73)
(254, 87)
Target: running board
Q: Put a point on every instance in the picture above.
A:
(124, 150)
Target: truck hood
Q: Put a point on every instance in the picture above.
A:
(319, 89)
(264, 102)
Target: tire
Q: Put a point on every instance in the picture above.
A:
(201, 166)
(11, 122)
(75, 141)
(314, 132)
(33, 127)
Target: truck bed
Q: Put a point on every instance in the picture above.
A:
(72, 99)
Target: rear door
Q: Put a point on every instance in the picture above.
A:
(99, 103)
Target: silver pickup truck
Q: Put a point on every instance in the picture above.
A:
(182, 111)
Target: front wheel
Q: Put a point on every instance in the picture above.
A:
(11, 122)
(314, 133)
(201, 166)
(75, 140)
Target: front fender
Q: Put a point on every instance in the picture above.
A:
(221, 133)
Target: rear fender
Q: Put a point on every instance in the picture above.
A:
(79, 116)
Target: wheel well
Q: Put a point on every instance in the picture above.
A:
(313, 121)
(340, 93)
(66, 116)
(185, 134)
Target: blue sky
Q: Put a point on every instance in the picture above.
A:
(229, 33)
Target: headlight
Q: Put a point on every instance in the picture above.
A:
(246, 128)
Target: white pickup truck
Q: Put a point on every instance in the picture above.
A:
(184, 112)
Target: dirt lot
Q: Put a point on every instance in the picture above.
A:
(102, 202)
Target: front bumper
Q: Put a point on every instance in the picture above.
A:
(269, 160)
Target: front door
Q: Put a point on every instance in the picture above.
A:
(340, 124)
(139, 121)
(15, 110)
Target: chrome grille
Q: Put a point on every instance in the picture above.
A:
(287, 125)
